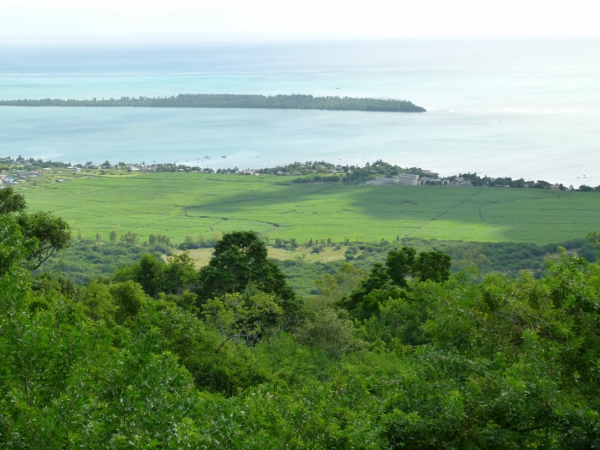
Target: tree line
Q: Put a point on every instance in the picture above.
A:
(292, 101)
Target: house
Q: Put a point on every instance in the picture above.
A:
(408, 179)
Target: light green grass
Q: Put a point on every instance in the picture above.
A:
(180, 204)
(202, 256)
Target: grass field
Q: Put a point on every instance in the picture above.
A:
(180, 204)
(202, 256)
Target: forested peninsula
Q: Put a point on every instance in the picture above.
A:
(234, 101)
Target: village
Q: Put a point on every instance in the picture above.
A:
(20, 170)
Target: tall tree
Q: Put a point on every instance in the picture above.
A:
(44, 234)
(148, 272)
(400, 264)
(40, 234)
(434, 266)
(240, 259)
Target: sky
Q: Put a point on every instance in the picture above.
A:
(295, 20)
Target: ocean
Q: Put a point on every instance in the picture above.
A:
(522, 108)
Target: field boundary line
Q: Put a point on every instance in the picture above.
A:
(514, 200)
(444, 213)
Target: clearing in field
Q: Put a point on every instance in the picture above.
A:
(193, 204)
(202, 256)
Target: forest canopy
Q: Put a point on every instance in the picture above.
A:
(293, 101)
(404, 355)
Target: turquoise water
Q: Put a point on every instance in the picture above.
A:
(526, 108)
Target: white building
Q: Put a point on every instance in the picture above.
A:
(408, 179)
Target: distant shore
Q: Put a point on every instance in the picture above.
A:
(234, 101)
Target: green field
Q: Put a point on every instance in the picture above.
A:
(180, 204)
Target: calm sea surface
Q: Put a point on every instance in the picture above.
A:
(522, 108)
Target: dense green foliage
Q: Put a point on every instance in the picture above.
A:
(156, 357)
(41, 234)
(85, 260)
(235, 101)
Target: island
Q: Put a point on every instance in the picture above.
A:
(293, 101)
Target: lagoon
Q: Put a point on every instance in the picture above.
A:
(522, 108)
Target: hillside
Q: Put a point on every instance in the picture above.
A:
(402, 355)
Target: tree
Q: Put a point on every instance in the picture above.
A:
(148, 272)
(179, 274)
(434, 266)
(40, 234)
(400, 264)
(333, 288)
(44, 234)
(129, 238)
(594, 238)
(113, 236)
(241, 317)
(98, 237)
(11, 243)
(390, 281)
(11, 201)
(376, 287)
(128, 296)
(240, 259)
(330, 332)
(98, 303)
